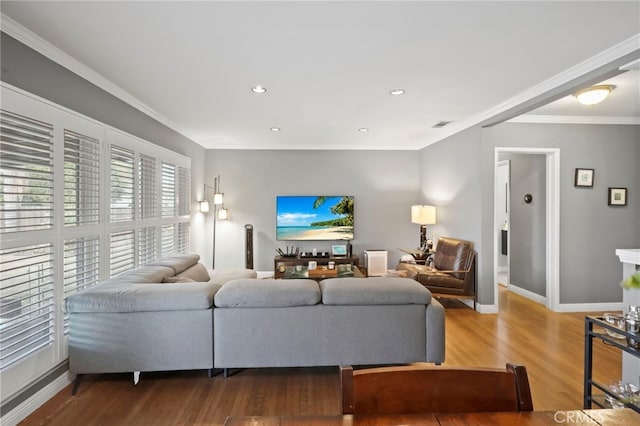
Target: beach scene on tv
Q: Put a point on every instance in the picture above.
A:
(314, 218)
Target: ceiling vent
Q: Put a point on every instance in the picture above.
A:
(441, 124)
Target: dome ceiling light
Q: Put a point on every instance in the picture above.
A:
(594, 95)
(259, 89)
(396, 92)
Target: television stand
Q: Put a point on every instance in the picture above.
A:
(281, 263)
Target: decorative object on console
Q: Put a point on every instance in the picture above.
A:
(339, 250)
(423, 215)
(289, 251)
(314, 218)
(617, 196)
(219, 211)
(584, 178)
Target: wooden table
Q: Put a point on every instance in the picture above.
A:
(608, 417)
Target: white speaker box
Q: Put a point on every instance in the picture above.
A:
(376, 262)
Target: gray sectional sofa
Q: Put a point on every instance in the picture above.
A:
(174, 314)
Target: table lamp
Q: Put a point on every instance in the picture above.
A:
(423, 215)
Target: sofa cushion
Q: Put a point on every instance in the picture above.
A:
(128, 297)
(374, 291)
(177, 279)
(222, 276)
(144, 274)
(269, 293)
(197, 272)
(178, 262)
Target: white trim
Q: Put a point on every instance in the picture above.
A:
(569, 119)
(58, 56)
(23, 410)
(552, 233)
(602, 59)
(590, 307)
(487, 309)
(527, 294)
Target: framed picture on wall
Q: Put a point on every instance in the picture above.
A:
(617, 196)
(584, 178)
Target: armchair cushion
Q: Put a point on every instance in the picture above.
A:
(453, 255)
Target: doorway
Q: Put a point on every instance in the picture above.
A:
(551, 218)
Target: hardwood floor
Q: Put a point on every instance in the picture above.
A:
(549, 344)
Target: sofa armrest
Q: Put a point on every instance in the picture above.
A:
(435, 338)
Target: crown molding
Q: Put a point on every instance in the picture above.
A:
(574, 119)
(42, 46)
(616, 56)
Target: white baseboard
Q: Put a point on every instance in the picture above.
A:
(23, 410)
(590, 307)
(486, 309)
(528, 294)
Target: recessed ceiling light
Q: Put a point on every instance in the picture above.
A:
(396, 92)
(275, 129)
(259, 89)
(363, 129)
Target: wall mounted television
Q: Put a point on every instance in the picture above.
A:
(314, 217)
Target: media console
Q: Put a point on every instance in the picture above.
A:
(281, 263)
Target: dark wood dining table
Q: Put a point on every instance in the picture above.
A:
(605, 417)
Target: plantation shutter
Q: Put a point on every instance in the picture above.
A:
(148, 203)
(182, 238)
(26, 301)
(183, 191)
(81, 266)
(121, 184)
(147, 244)
(26, 173)
(168, 190)
(168, 240)
(81, 179)
(121, 252)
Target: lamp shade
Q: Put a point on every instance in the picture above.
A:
(218, 198)
(423, 215)
(204, 206)
(223, 214)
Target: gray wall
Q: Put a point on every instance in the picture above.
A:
(384, 184)
(590, 231)
(449, 180)
(527, 223)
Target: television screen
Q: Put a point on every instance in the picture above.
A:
(314, 218)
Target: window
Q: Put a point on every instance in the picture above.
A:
(26, 301)
(81, 179)
(148, 185)
(168, 240)
(121, 184)
(183, 190)
(183, 237)
(79, 202)
(147, 244)
(168, 190)
(26, 174)
(81, 266)
(121, 252)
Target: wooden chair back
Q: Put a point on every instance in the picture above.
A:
(426, 389)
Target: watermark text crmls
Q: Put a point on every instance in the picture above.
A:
(575, 416)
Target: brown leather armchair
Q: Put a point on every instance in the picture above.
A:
(453, 273)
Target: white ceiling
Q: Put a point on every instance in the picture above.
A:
(328, 66)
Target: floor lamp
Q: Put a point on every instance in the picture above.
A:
(219, 211)
(423, 215)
